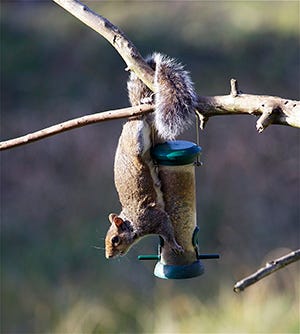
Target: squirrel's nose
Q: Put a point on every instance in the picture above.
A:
(108, 256)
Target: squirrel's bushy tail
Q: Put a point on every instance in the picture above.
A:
(175, 97)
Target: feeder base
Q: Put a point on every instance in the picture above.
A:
(178, 272)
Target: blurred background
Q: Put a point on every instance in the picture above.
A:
(56, 194)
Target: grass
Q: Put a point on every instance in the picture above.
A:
(264, 308)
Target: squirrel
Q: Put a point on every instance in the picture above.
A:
(136, 178)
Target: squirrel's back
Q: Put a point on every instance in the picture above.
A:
(137, 183)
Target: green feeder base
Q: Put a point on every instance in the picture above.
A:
(178, 272)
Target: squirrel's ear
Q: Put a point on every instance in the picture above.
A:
(115, 219)
(111, 217)
(118, 221)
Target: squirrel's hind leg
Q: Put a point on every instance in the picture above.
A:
(175, 247)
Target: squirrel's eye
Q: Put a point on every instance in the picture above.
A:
(115, 240)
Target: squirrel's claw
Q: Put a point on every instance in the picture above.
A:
(177, 249)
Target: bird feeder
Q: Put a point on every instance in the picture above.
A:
(175, 160)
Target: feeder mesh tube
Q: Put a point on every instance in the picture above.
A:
(178, 185)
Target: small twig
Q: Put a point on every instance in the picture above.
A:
(234, 92)
(76, 123)
(266, 118)
(268, 269)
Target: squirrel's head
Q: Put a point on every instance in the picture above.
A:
(119, 237)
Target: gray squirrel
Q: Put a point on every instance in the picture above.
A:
(135, 175)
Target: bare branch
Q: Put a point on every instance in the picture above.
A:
(268, 269)
(274, 110)
(76, 123)
(271, 109)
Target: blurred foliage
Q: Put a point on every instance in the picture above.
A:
(56, 194)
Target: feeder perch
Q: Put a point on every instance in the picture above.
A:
(175, 160)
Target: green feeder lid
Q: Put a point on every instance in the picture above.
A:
(178, 152)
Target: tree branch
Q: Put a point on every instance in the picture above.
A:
(76, 123)
(268, 269)
(271, 109)
(208, 105)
